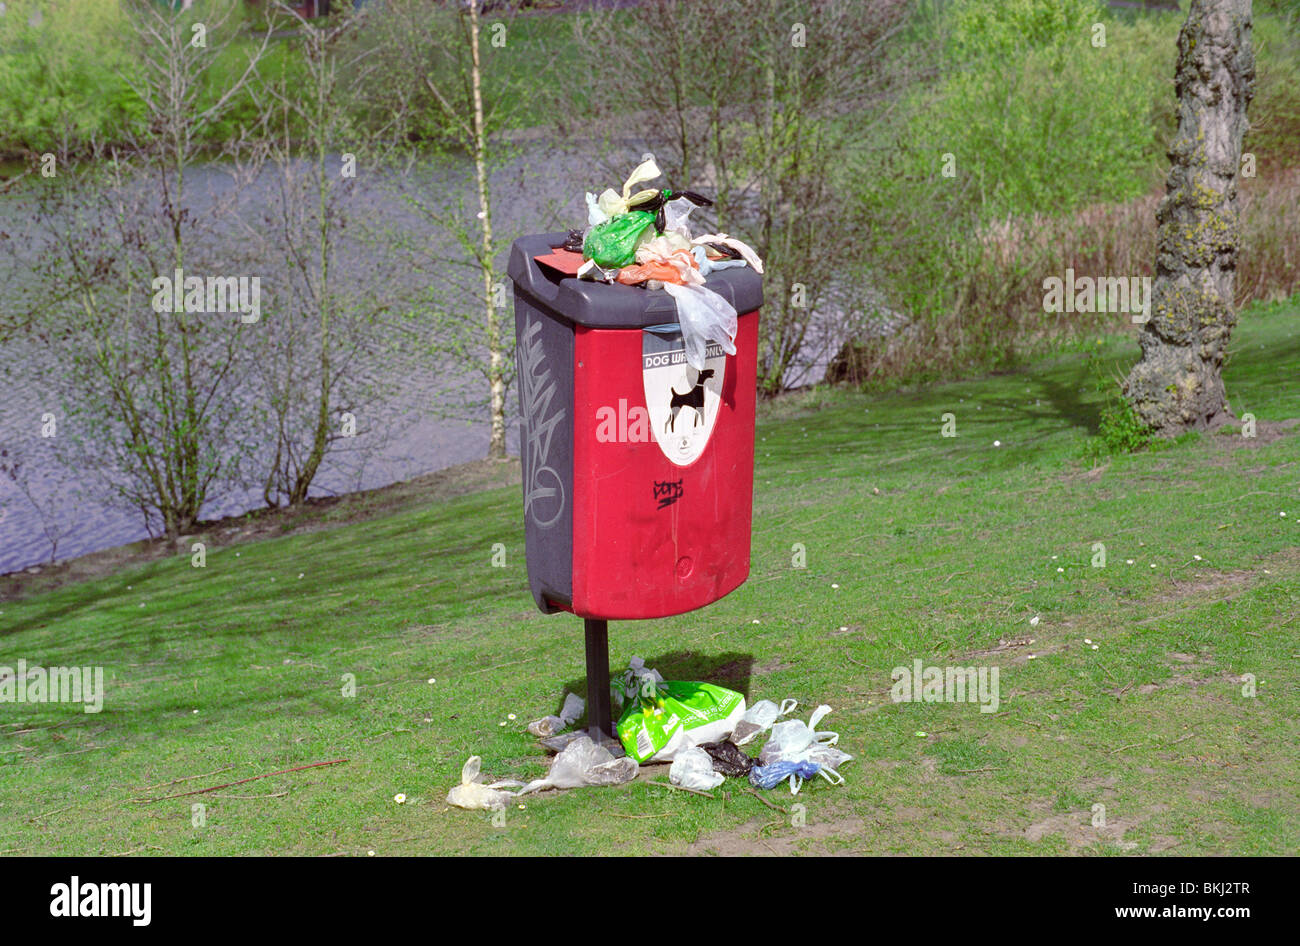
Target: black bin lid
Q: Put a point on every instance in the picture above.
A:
(601, 305)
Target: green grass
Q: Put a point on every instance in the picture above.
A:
(241, 664)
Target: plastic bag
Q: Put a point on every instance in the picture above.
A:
(770, 776)
(611, 204)
(676, 214)
(564, 740)
(704, 317)
(707, 265)
(470, 793)
(584, 763)
(678, 268)
(828, 757)
(791, 740)
(693, 768)
(594, 214)
(760, 717)
(727, 759)
(677, 715)
(550, 725)
(665, 246)
(636, 678)
(744, 249)
(612, 244)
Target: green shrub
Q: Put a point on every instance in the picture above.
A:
(60, 78)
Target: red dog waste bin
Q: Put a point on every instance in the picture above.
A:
(638, 470)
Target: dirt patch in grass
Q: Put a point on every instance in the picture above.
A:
(777, 837)
(1204, 584)
(1229, 436)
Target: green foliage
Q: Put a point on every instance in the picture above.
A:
(1119, 429)
(1005, 28)
(60, 80)
(1275, 110)
(1037, 118)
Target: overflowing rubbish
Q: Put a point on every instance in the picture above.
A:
(759, 718)
(671, 716)
(693, 768)
(584, 763)
(643, 238)
(727, 758)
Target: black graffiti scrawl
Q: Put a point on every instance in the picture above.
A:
(543, 488)
(668, 492)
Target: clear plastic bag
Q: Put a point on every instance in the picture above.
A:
(584, 763)
(562, 741)
(693, 768)
(704, 317)
(636, 680)
(550, 725)
(759, 718)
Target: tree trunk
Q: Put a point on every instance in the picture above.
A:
(1178, 384)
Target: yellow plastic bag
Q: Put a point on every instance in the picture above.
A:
(612, 204)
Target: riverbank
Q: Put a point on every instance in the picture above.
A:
(318, 513)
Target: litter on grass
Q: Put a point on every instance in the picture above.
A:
(697, 727)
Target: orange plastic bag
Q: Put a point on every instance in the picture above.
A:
(671, 269)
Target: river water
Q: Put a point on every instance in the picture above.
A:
(427, 423)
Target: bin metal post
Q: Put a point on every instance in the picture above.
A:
(598, 715)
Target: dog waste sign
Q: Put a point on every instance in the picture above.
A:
(682, 402)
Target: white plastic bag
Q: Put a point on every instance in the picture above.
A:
(676, 216)
(693, 768)
(584, 763)
(744, 249)
(704, 317)
(595, 215)
(759, 718)
(470, 793)
(791, 740)
(550, 725)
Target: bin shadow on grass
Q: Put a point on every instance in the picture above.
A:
(731, 670)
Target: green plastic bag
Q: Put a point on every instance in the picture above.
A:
(673, 716)
(613, 244)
